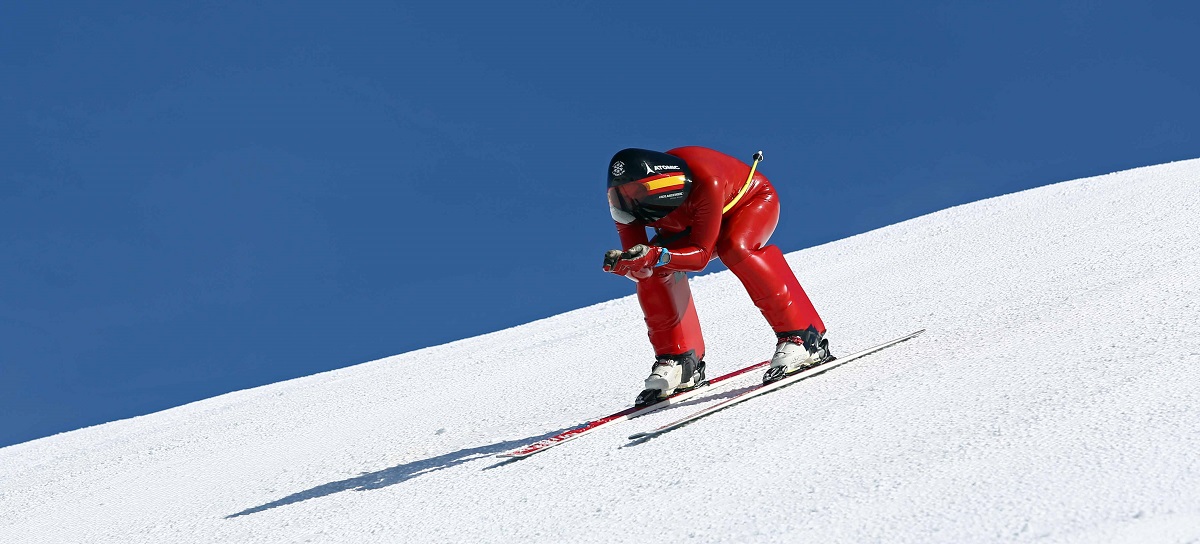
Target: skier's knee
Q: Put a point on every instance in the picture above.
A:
(734, 251)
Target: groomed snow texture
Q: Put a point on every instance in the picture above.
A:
(1055, 398)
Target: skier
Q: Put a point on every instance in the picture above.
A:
(703, 204)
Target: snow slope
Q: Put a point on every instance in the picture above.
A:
(1055, 398)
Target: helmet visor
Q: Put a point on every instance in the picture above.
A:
(624, 200)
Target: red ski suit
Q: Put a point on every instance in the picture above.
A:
(738, 237)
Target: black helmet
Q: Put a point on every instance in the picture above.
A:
(646, 185)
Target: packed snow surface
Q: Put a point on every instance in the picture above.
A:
(1054, 398)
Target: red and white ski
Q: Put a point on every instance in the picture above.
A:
(768, 387)
(634, 411)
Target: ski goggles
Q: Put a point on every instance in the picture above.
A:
(623, 202)
(648, 199)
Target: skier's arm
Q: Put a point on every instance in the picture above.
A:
(631, 235)
(706, 226)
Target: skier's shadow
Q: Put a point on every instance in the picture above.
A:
(397, 474)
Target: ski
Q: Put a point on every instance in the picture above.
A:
(634, 411)
(768, 387)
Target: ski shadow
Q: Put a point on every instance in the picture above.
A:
(727, 394)
(714, 398)
(702, 400)
(717, 398)
(730, 393)
(398, 474)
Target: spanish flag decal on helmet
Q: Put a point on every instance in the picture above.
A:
(664, 183)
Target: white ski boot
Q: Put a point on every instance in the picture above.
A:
(671, 373)
(796, 353)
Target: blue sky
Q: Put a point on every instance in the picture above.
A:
(202, 197)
